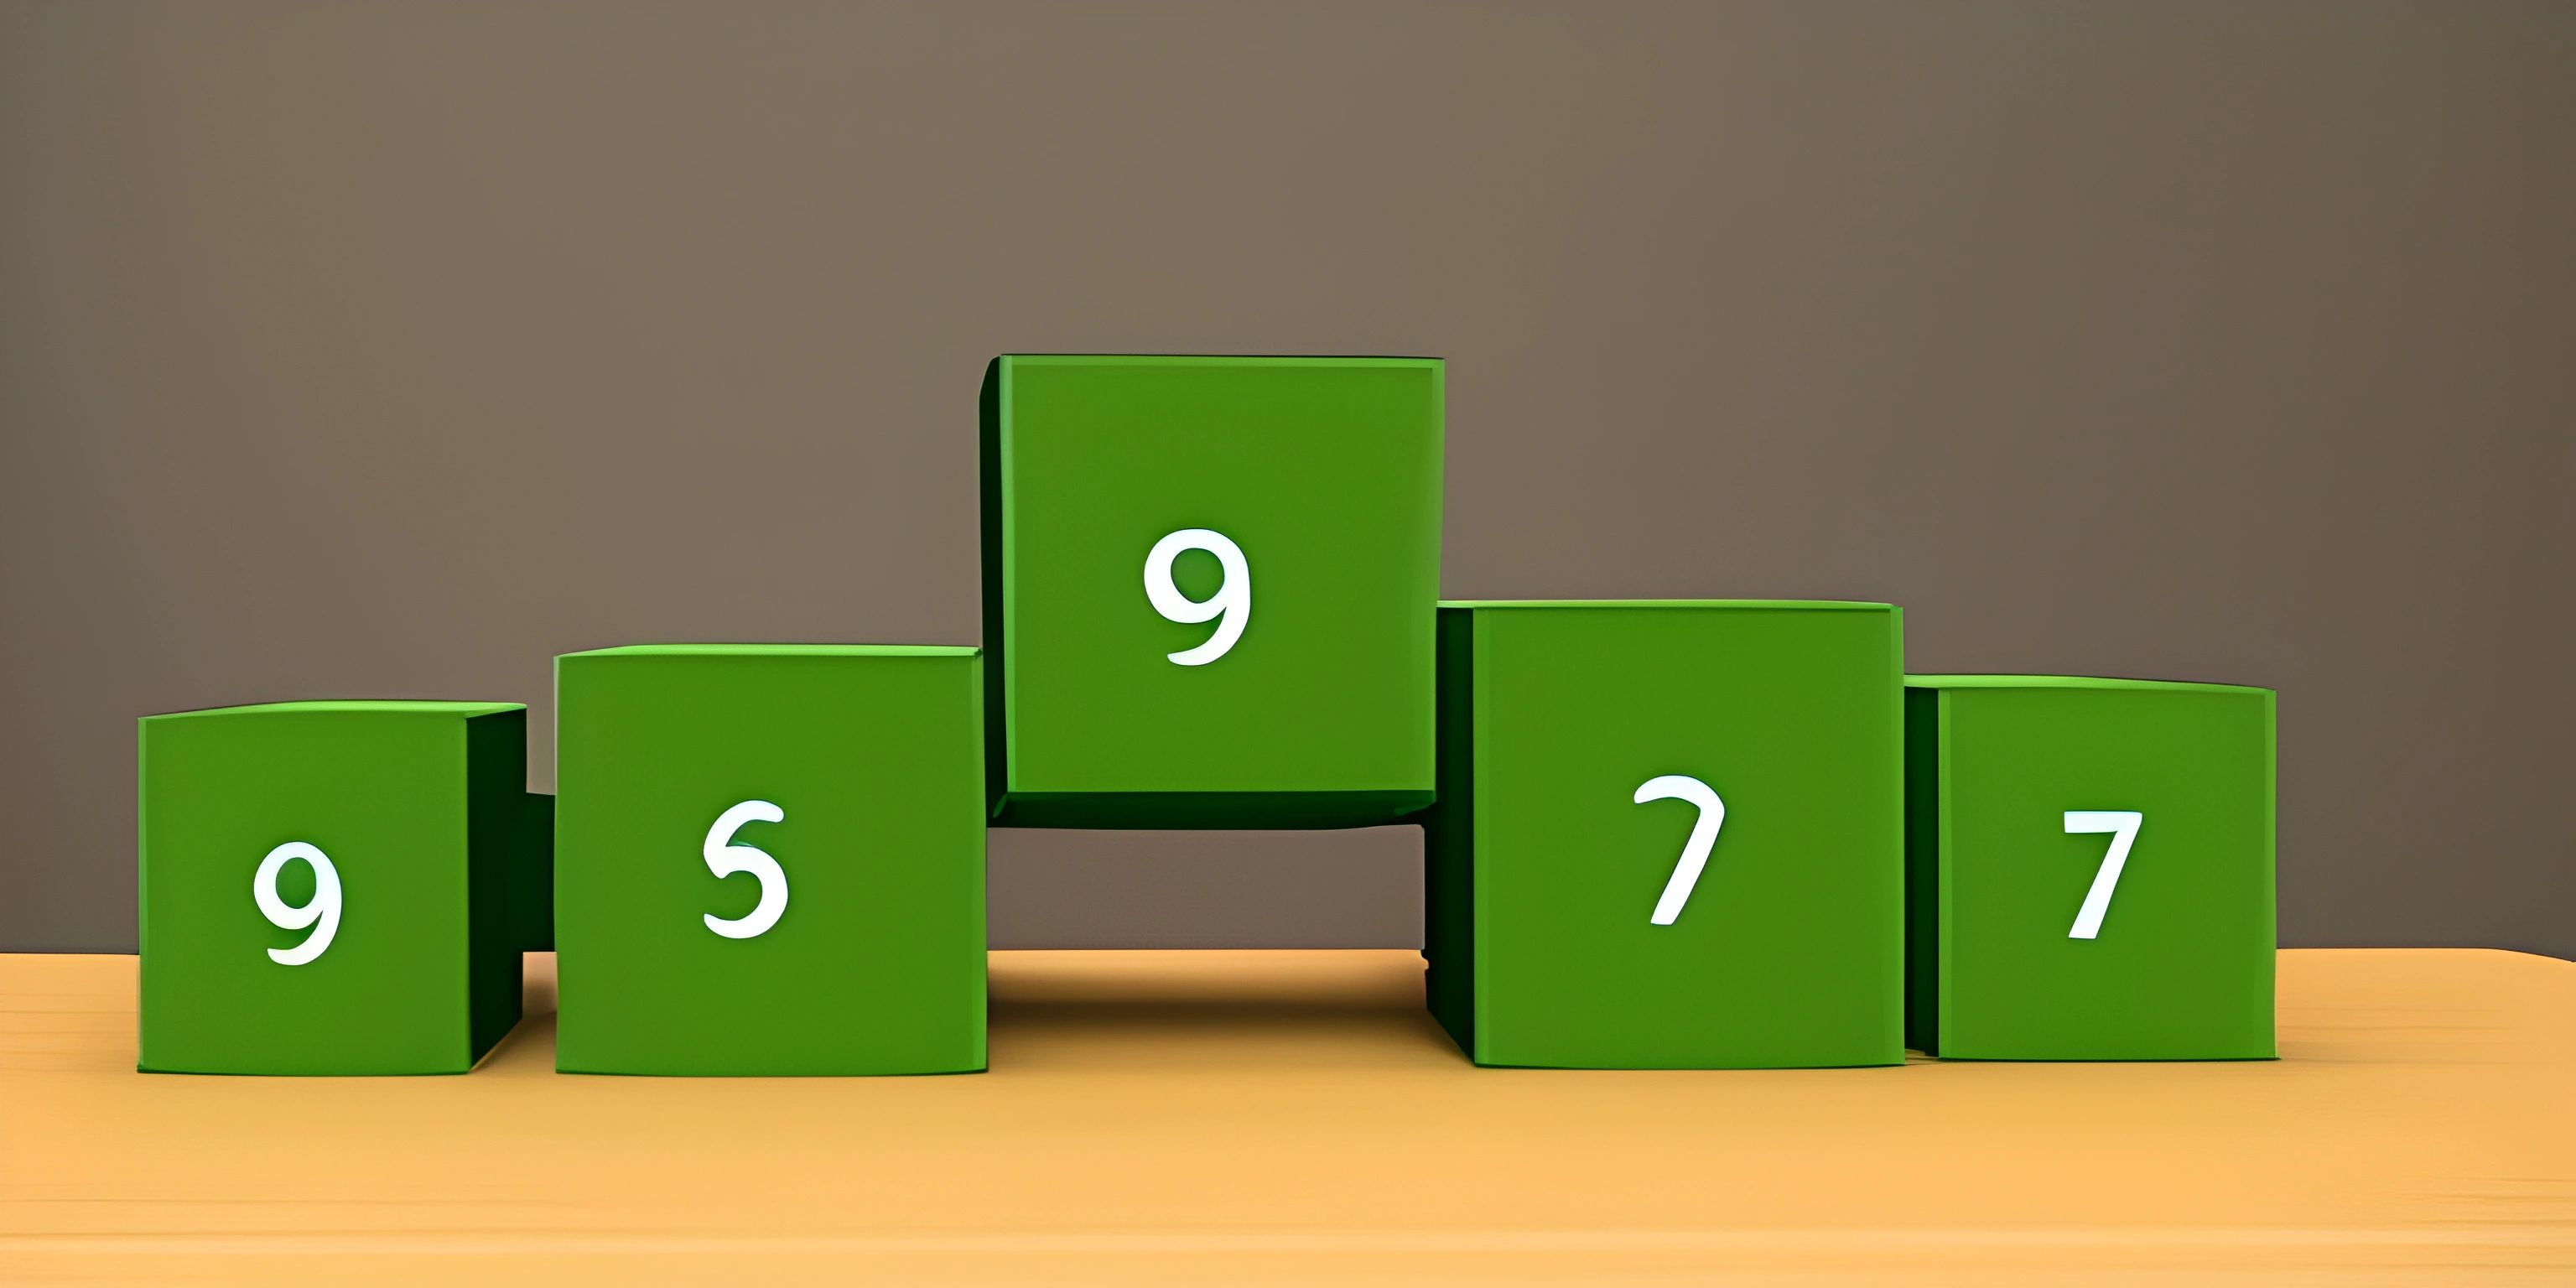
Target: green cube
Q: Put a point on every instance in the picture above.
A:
(1208, 589)
(769, 859)
(325, 886)
(2089, 868)
(1669, 834)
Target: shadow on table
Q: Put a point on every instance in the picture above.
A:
(1349, 1006)
(1337, 1006)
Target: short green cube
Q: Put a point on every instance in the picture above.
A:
(1208, 589)
(769, 859)
(2089, 868)
(326, 885)
(1669, 834)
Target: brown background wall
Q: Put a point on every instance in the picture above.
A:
(372, 349)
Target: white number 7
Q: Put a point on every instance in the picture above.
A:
(1712, 816)
(2122, 824)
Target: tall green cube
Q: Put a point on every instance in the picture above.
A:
(2089, 868)
(325, 886)
(1669, 834)
(1208, 589)
(769, 859)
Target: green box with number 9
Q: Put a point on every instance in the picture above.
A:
(1209, 587)
(2090, 868)
(325, 886)
(1669, 834)
(769, 859)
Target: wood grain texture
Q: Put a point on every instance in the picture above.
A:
(1291, 1116)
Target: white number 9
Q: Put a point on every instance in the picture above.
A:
(1232, 601)
(724, 859)
(325, 906)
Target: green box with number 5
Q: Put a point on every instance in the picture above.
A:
(1669, 834)
(769, 859)
(325, 886)
(1208, 589)
(2090, 868)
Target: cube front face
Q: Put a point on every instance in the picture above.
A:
(381, 835)
(1548, 876)
(2030, 946)
(849, 940)
(1323, 476)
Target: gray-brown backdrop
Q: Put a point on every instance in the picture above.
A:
(372, 349)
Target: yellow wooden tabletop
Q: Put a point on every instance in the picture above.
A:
(1225, 1117)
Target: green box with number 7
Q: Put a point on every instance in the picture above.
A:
(1208, 589)
(2089, 868)
(1669, 834)
(325, 886)
(769, 859)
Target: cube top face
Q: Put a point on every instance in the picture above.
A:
(2099, 856)
(781, 650)
(1698, 605)
(2076, 682)
(1592, 748)
(840, 790)
(1210, 587)
(319, 886)
(399, 707)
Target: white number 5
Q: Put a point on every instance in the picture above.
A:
(1232, 600)
(724, 859)
(324, 906)
(2122, 824)
(1712, 816)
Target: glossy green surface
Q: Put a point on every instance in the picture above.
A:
(1326, 472)
(1544, 871)
(419, 807)
(2182, 965)
(875, 758)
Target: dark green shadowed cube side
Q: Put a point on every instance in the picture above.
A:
(418, 808)
(1545, 873)
(532, 876)
(1449, 841)
(2175, 959)
(872, 757)
(1325, 475)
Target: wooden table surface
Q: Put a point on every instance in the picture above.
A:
(1224, 1117)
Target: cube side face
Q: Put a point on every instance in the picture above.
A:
(532, 875)
(874, 963)
(1786, 950)
(1923, 869)
(497, 822)
(1325, 476)
(1449, 842)
(992, 508)
(2180, 961)
(384, 797)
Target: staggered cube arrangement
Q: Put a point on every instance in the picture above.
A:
(1658, 833)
